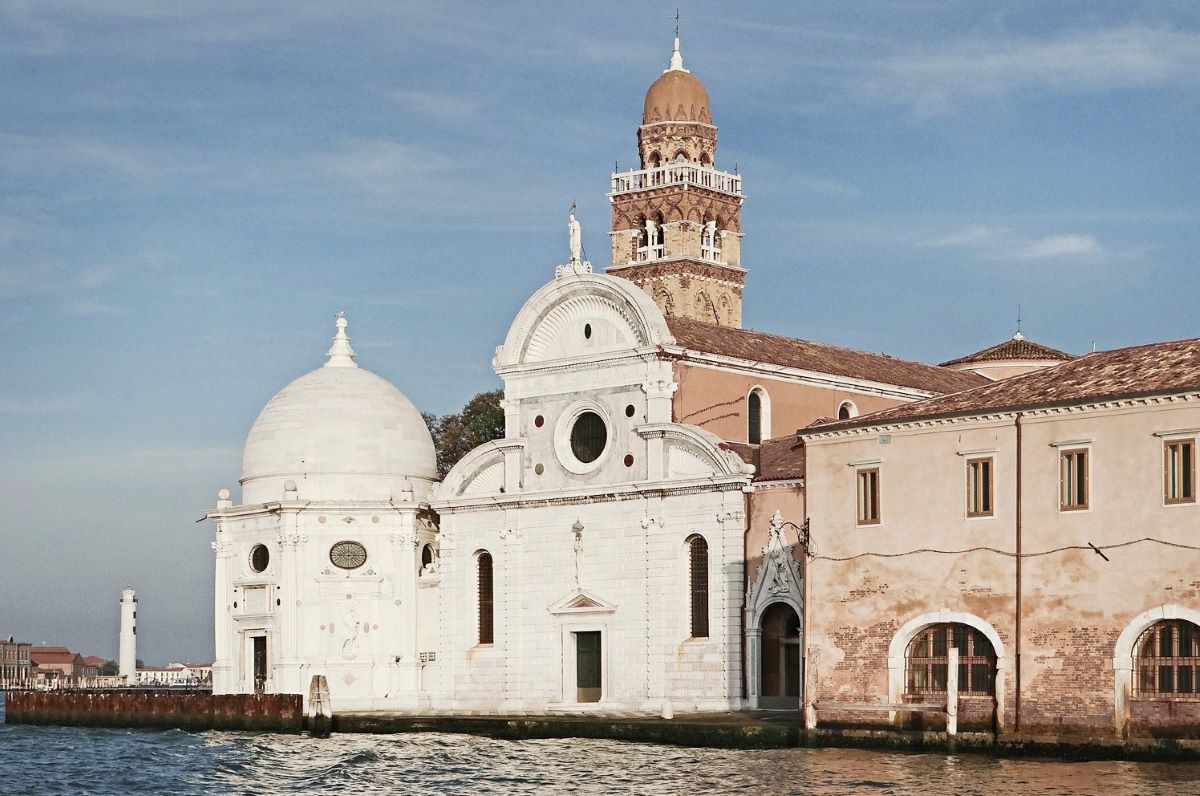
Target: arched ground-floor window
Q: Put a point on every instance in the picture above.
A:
(927, 661)
(1167, 661)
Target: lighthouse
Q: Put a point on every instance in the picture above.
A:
(127, 654)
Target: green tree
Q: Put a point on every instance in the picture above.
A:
(109, 668)
(456, 435)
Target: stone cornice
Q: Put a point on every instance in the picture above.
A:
(614, 493)
(1005, 416)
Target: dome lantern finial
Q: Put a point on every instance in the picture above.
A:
(676, 57)
(341, 355)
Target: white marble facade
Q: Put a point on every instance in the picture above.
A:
(371, 569)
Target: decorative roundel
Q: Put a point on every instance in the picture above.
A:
(629, 460)
(589, 436)
(538, 469)
(260, 557)
(629, 410)
(348, 555)
(539, 421)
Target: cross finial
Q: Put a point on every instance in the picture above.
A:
(1018, 335)
(676, 58)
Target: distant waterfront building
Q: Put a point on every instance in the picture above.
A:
(59, 667)
(127, 649)
(687, 515)
(175, 674)
(16, 667)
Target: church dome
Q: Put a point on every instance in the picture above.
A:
(677, 96)
(338, 433)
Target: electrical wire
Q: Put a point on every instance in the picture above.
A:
(1008, 554)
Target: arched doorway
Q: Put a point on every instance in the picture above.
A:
(779, 661)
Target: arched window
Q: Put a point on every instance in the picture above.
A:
(758, 416)
(928, 655)
(847, 410)
(704, 159)
(1167, 661)
(698, 584)
(487, 625)
(426, 556)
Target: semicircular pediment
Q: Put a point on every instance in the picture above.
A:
(582, 315)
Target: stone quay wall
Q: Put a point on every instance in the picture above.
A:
(186, 710)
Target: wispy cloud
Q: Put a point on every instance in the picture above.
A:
(1072, 245)
(1003, 243)
(385, 166)
(90, 305)
(1087, 61)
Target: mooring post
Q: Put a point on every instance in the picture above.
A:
(320, 714)
(952, 693)
(812, 661)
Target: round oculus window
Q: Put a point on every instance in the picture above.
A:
(589, 435)
(348, 555)
(260, 557)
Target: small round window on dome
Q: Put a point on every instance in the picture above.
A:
(587, 331)
(629, 410)
(348, 555)
(260, 557)
(589, 435)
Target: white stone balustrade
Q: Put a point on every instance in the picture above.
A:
(676, 174)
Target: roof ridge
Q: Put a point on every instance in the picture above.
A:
(777, 336)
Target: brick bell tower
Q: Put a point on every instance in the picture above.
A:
(676, 221)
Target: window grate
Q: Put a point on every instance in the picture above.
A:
(928, 661)
(698, 556)
(1168, 661)
(487, 627)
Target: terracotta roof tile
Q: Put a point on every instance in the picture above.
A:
(819, 357)
(776, 459)
(51, 655)
(781, 459)
(1014, 348)
(1154, 369)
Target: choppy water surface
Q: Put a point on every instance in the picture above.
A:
(56, 760)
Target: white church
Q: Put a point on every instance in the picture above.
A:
(624, 546)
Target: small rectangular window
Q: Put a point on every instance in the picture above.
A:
(868, 497)
(979, 488)
(1073, 479)
(1179, 471)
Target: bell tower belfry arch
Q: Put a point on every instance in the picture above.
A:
(676, 221)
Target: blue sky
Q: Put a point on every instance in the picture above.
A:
(190, 191)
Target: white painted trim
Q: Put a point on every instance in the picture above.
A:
(764, 414)
(979, 452)
(1183, 432)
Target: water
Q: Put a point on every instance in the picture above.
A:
(59, 760)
